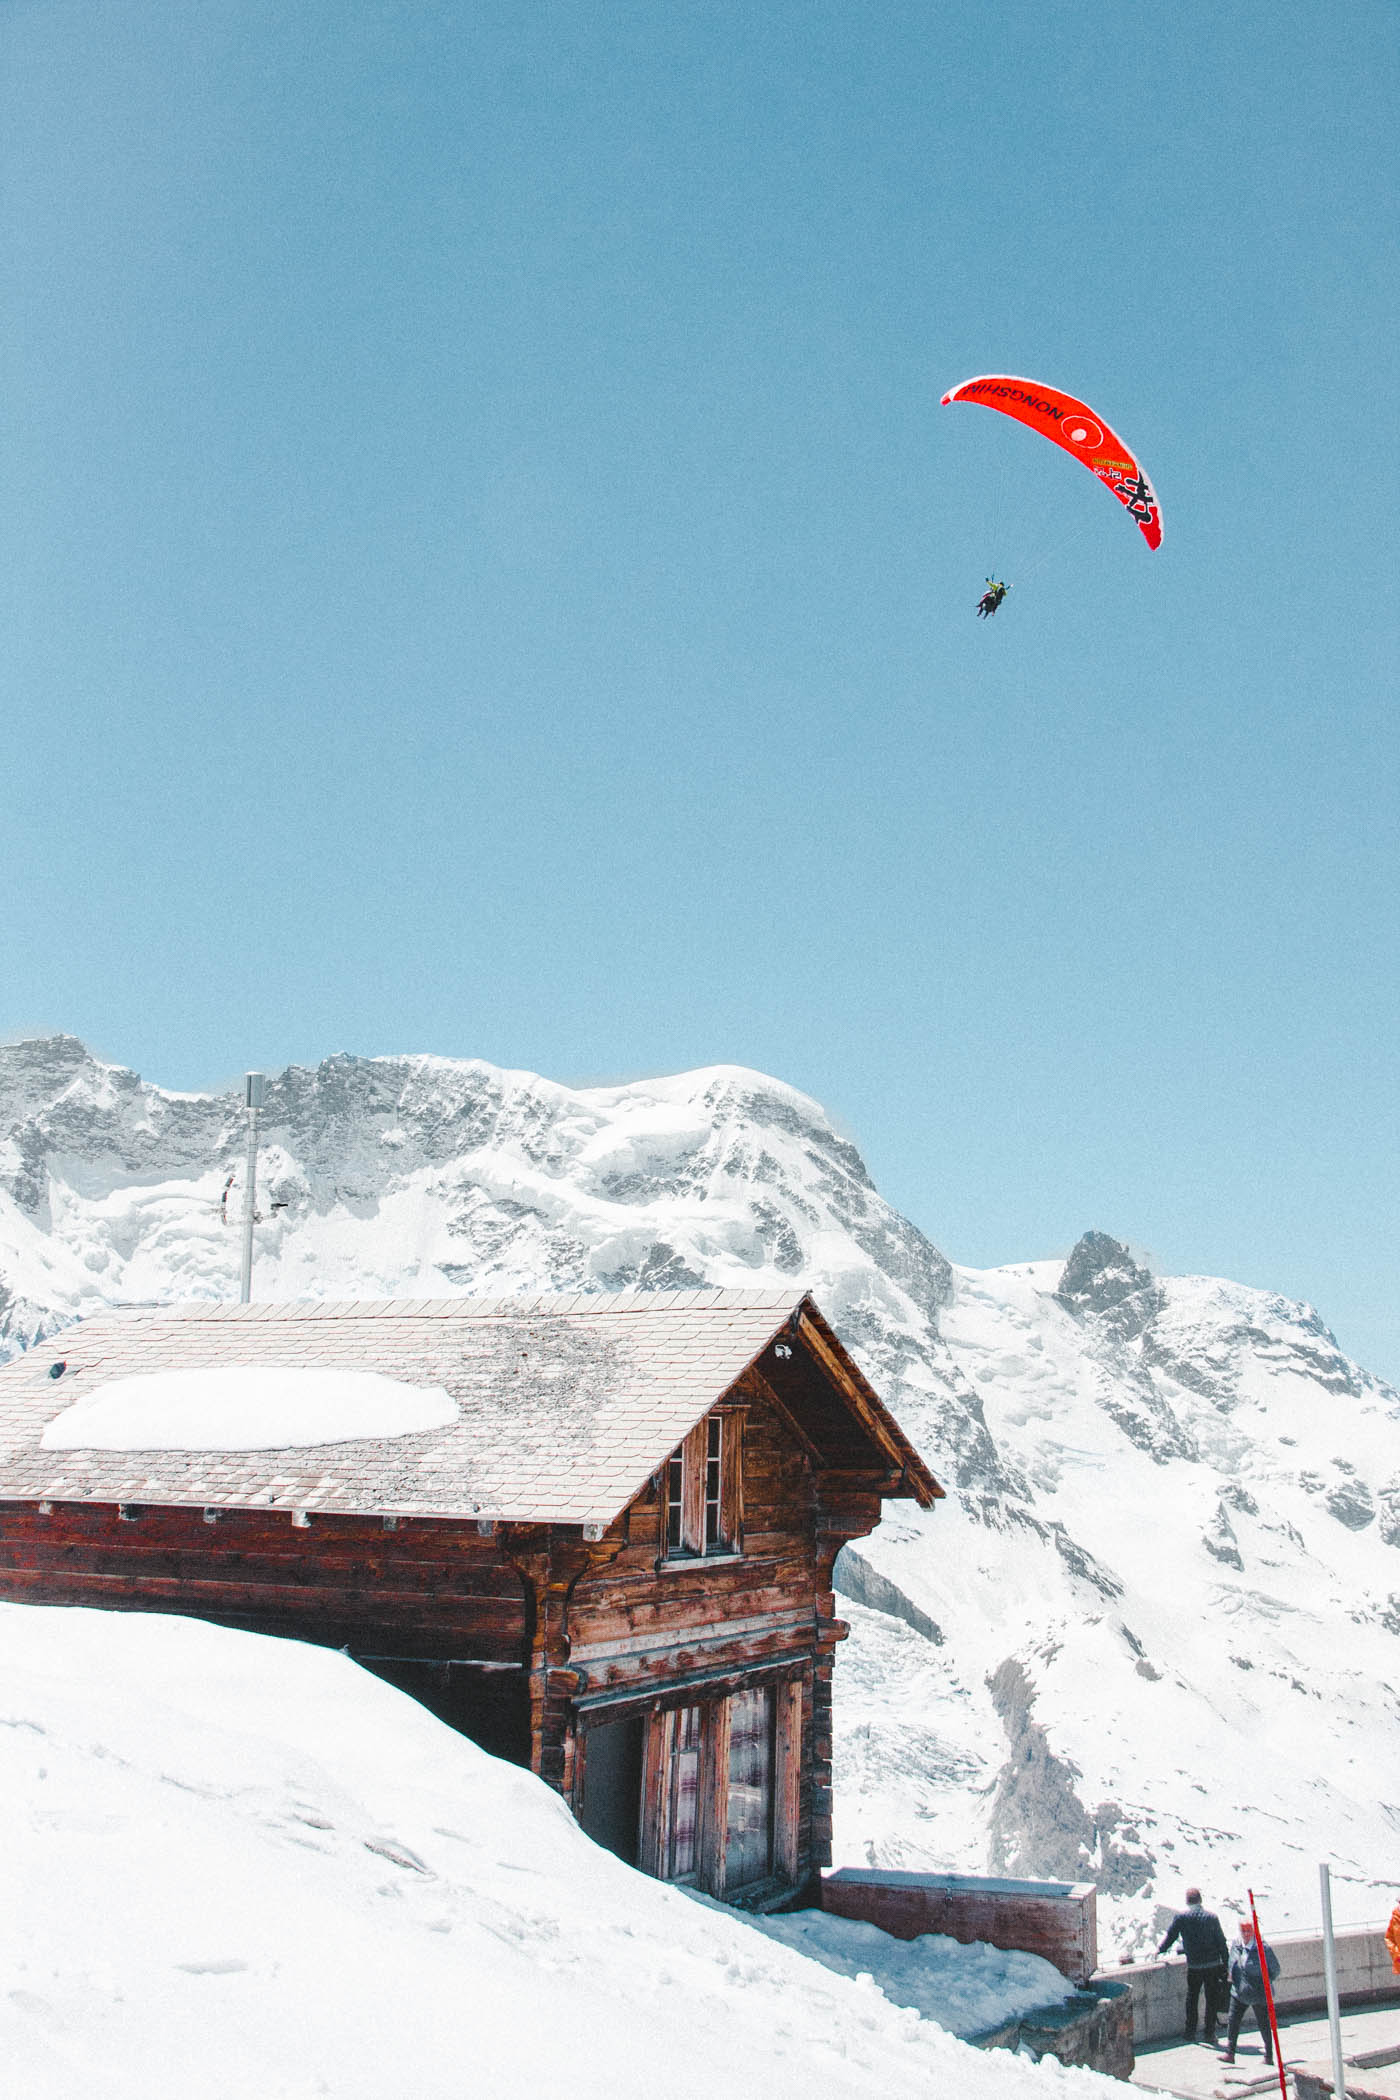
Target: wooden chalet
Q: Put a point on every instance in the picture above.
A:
(614, 1566)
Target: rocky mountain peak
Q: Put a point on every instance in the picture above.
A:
(1101, 1280)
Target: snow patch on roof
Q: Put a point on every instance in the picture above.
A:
(246, 1407)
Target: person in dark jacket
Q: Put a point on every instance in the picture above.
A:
(1207, 1957)
(1247, 1992)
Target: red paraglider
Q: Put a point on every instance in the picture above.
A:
(1074, 427)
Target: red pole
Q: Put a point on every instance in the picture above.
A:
(1268, 1998)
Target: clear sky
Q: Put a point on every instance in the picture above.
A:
(484, 570)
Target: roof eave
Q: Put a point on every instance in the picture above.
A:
(865, 1403)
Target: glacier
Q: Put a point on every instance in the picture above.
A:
(1149, 1638)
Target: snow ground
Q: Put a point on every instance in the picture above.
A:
(968, 1990)
(243, 1869)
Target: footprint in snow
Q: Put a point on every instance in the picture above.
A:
(398, 1855)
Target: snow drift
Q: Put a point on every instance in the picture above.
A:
(244, 1869)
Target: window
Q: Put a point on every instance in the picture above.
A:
(675, 1503)
(702, 1489)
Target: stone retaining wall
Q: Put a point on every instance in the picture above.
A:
(1093, 2028)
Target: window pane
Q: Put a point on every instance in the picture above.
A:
(749, 1848)
(714, 1531)
(683, 1792)
(675, 1483)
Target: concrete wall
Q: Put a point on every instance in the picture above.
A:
(1364, 1974)
(1055, 1919)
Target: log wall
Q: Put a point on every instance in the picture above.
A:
(432, 1606)
(646, 1632)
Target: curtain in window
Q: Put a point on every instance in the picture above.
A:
(749, 1848)
(683, 1806)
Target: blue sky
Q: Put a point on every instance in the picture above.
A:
(485, 571)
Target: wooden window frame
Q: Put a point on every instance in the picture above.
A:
(691, 1466)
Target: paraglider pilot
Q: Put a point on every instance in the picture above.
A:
(991, 598)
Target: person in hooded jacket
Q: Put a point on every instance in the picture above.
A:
(1207, 1958)
(1392, 1939)
(1247, 1993)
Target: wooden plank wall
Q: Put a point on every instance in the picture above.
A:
(1058, 1923)
(432, 1589)
(641, 1617)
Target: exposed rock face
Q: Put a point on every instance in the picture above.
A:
(1219, 1540)
(1039, 1825)
(1349, 1499)
(854, 1577)
(1388, 1509)
(1181, 1457)
(1102, 1281)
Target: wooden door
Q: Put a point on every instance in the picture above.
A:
(612, 1786)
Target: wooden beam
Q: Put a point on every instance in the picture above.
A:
(714, 1799)
(785, 1416)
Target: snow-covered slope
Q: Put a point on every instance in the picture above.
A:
(1151, 1635)
(1195, 1682)
(242, 1869)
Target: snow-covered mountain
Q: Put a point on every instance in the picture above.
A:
(1150, 1636)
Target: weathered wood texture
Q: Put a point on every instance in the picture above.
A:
(430, 1589)
(646, 1632)
(1055, 1919)
(705, 1612)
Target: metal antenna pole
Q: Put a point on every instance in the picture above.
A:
(254, 1087)
(1329, 1969)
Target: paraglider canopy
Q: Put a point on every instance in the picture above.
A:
(1074, 427)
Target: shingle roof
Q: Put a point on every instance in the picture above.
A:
(566, 1404)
